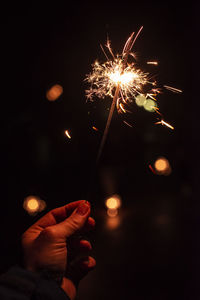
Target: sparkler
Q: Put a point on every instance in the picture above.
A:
(124, 82)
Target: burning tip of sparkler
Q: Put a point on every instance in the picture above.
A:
(67, 133)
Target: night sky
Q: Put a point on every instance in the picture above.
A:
(154, 252)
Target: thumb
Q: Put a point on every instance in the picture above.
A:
(75, 222)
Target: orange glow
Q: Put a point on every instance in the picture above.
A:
(152, 63)
(162, 122)
(113, 223)
(93, 127)
(112, 212)
(68, 134)
(33, 205)
(54, 92)
(113, 202)
(162, 166)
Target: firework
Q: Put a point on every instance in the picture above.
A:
(124, 82)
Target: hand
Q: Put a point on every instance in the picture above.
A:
(48, 242)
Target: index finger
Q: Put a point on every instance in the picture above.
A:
(58, 214)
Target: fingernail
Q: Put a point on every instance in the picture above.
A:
(82, 209)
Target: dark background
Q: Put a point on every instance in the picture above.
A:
(154, 252)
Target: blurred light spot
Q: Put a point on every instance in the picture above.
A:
(140, 100)
(33, 205)
(113, 223)
(54, 92)
(112, 212)
(93, 127)
(68, 134)
(162, 166)
(113, 202)
(150, 105)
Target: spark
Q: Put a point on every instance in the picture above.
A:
(128, 124)
(152, 63)
(162, 122)
(107, 76)
(68, 134)
(93, 127)
(170, 88)
(121, 79)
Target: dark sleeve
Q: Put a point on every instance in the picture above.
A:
(20, 284)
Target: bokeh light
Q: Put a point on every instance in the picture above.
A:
(33, 205)
(113, 223)
(113, 202)
(140, 100)
(150, 105)
(112, 212)
(162, 166)
(54, 92)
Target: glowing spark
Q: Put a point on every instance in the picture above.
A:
(128, 124)
(124, 82)
(152, 63)
(122, 108)
(94, 128)
(105, 78)
(68, 134)
(162, 122)
(170, 88)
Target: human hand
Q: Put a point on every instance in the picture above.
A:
(47, 245)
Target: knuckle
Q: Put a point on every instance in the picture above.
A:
(49, 233)
(74, 223)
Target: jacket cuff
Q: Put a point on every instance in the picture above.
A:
(28, 283)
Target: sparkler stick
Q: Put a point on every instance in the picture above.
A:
(126, 51)
(108, 123)
(124, 82)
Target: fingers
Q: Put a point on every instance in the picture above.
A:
(80, 268)
(78, 248)
(63, 212)
(75, 222)
(59, 214)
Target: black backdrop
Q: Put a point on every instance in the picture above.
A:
(153, 253)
